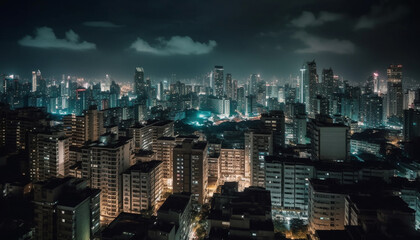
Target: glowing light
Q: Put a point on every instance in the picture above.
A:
(375, 74)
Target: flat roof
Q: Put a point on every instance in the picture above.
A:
(144, 167)
(176, 203)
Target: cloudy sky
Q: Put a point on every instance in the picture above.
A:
(271, 37)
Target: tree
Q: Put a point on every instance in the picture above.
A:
(298, 228)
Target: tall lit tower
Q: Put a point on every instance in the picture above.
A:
(313, 83)
(36, 76)
(375, 82)
(327, 82)
(139, 84)
(253, 82)
(395, 91)
(302, 85)
(218, 81)
(228, 87)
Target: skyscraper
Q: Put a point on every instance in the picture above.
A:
(411, 128)
(139, 83)
(103, 163)
(395, 91)
(142, 186)
(253, 84)
(309, 85)
(160, 91)
(258, 144)
(375, 80)
(303, 86)
(275, 122)
(190, 169)
(229, 86)
(373, 111)
(218, 81)
(49, 155)
(65, 208)
(235, 90)
(327, 82)
(329, 141)
(36, 77)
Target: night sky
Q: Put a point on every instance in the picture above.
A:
(274, 38)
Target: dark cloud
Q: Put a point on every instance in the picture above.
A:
(315, 44)
(101, 24)
(307, 19)
(176, 45)
(381, 14)
(271, 37)
(46, 38)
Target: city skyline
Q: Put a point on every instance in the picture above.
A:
(191, 120)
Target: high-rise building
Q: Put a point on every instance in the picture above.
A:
(303, 86)
(373, 111)
(321, 105)
(36, 77)
(219, 83)
(232, 164)
(309, 85)
(326, 205)
(287, 181)
(175, 211)
(253, 84)
(313, 83)
(103, 163)
(65, 208)
(142, 186)
(139, 82)
(87, 127)
(235, 90)
(49, 155)
(241, 215)
(163, 148)
(395, 91)
(160, 91)
(145, 135)
(409, 99)
(17, 124)
(372, 84)
(299, 129)
(411, 128)
(275, 122)
(258, 144)
(329, 141)
(229, 86)
(327, 83)
(190, 169)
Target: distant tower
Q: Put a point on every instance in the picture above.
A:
(308, 85)
(327, 82)
(395, 91)
(36, 76)
(313, 82)
(375, 82)
(218, 81)
(229, 85)
(160, 91)
(303, 85)
(139, 84)
(253, 82)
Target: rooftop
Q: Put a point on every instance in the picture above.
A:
(175, 203)
(144, 167)
(127, 226)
